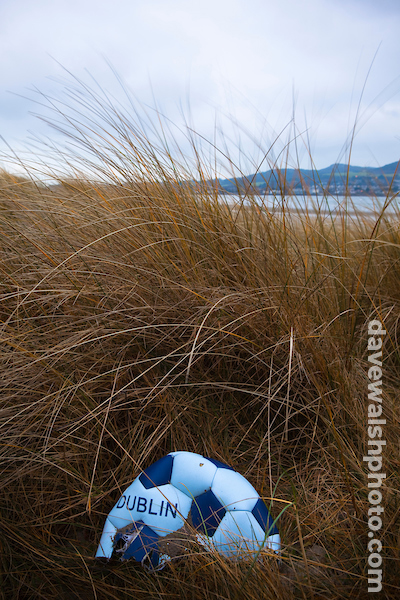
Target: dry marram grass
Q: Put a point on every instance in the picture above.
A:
(140, 315)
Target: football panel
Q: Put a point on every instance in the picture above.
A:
(234, 491)
(274, 543)
(106, 543)
(159, 473)
(219, 464)
(164, 509)
(239, 534)
(261, 513)
(207, 513)
(145, 540)
(192, 473)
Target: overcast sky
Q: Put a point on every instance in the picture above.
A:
(250, 63)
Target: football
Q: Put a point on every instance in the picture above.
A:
(187, 493)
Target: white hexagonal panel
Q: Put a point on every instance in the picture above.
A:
(192, 473)
(239, 534)
(234, 491)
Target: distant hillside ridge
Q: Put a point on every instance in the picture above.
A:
(337, 179)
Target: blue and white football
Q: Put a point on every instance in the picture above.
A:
(220, 505)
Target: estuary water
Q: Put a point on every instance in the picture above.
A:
(362, 205)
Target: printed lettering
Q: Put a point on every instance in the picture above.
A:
(375, 328)
(373, 358)
(376, 430)
(150, 507)
(377, 422)
(373, 543)
(374, 410)
(375, 373)
(169, 507)
(374, 344)
(378, 446)
(133, 503)
(374, 462)
(375, 391)
(377, 581)
(121, 502)
(378, 477)
(141, 504)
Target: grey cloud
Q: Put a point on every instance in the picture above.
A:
(243, 58)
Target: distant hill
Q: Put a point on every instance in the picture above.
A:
(334, 179)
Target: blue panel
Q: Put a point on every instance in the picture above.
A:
(154, 558)
(159, 473)
(260, 512)
(218, 464)
(144, 543)
(207, 513)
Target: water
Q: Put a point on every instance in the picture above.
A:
(321, 204)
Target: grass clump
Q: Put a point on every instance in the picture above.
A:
(141, 314)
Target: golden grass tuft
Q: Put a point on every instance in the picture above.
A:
(140, 315)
